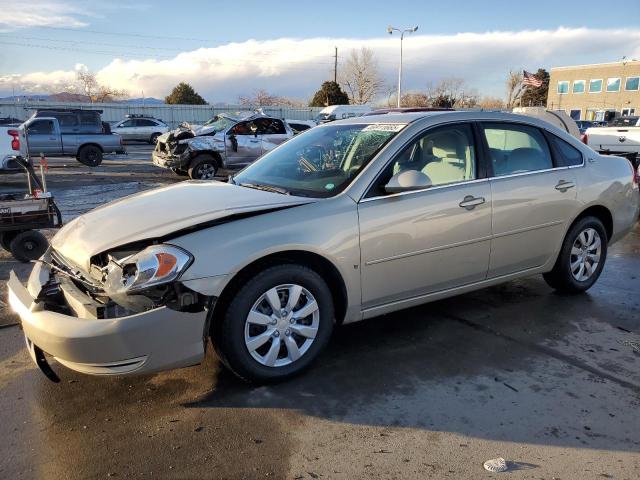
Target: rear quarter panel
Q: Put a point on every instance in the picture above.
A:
(607, 181)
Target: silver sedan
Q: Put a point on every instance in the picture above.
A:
(344, 222)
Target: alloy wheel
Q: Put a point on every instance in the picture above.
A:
(585, 254)
(206, 171)
(282, 325)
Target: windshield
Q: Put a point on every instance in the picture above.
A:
(219, 123)
(320, 162)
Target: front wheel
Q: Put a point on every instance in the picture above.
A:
(203, 167)
(276, 325)
(581, 258)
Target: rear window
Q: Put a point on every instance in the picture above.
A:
(567, 155)
(625, 122)
(89, 118)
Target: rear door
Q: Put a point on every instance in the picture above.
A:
(144, 129)
(273, 133)
(43, 137)
(533, 197)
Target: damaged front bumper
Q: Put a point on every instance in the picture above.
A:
(167, 160)
(150, 341)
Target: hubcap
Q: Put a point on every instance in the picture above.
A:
(282, 325)
(206, 171)
(585, 254)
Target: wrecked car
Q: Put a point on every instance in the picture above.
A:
(224, 141)
(353, 219)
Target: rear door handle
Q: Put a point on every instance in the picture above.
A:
(470, 202)
(564, 186)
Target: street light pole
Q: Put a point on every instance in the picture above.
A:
(390, 31)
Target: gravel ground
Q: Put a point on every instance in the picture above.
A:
(549, 382)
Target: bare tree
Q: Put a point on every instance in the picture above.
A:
(490, 103)
(514, 88)
(414, 99)
(360, 77)
(97, 92)
(262, 98)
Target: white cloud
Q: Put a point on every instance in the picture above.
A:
(296, 67)
(40, 13)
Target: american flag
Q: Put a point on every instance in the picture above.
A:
(530, 80)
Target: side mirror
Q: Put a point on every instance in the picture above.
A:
(407, 181)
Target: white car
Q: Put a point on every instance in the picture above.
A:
(140, 128)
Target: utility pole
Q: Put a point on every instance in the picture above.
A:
(335, 66)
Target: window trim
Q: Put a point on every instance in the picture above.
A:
(601, 80)
(558, 87)
(584, 87)
(627, 79)
(619, 86)
(481, 164)
(556, 155)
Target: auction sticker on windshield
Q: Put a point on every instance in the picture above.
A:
(384, 127)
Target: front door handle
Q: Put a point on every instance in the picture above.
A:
(470, 202)
(564, 186)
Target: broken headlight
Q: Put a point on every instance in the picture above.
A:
(153, 266)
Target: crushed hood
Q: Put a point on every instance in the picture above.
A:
(160, 212)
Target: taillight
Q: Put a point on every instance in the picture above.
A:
(15, 141)
(585, 139)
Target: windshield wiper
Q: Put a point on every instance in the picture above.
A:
(266, 188)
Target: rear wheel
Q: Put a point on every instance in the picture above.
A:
(276, 325)
(90, 155)
(581, 258)
(203, 167)
(29, 245)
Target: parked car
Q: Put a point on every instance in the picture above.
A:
(299, 126)
(223, 142)
(74, 133)
(10, 121)
(141, 128)
(9, 149)
(353, 219)
(339, 112)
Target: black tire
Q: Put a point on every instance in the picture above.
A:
(5, 239)
(29, 245)
(180, 172)
(561, 277)
(228, 333)
(154, 138)
(203, 167)
(90, 155)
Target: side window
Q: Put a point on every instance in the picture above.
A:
(89, 118)
(270, 126)
(445, 154)
(567, 154)
(66, 120)
(145, 123)
(516, 149)
(127, 124)
(242, 128)
(41, 127)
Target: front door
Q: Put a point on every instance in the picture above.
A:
(126, 129)
(243, 144)
(532, 197)
(421, 242)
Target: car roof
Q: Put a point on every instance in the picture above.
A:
(444, 116)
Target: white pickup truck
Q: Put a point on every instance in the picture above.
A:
(622, 136)
(9, 148)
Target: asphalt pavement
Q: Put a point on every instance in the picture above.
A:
(549, 382)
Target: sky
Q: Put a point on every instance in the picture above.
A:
(229, 49)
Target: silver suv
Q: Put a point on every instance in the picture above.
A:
(140, 128)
